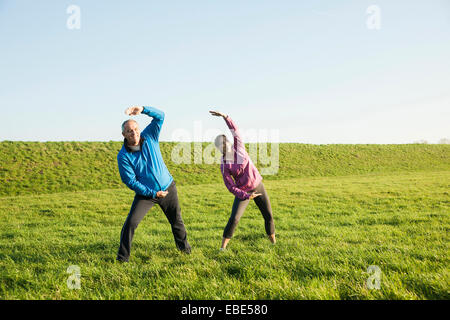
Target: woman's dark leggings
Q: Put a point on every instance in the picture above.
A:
(238, 209)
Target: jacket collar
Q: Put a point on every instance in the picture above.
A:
(125, 144)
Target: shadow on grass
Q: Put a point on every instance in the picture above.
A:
(427, 290)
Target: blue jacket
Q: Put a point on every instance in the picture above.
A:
(144, 171)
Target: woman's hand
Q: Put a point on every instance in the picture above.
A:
(218, 114)
(254, 195)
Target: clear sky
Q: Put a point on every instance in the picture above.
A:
(312, 71)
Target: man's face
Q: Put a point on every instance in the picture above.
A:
(131, 133)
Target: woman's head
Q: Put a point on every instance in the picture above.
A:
(222, 144)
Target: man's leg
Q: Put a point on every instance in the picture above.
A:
(171, 208)
(138, 210)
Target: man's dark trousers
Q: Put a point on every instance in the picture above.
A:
(141, 205)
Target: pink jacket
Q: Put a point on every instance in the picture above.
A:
(246, 176)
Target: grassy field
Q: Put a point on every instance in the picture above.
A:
(332, 223)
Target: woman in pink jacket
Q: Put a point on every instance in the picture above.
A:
(242, 179)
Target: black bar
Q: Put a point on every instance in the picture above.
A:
(223, 309)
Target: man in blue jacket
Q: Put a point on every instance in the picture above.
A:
(143, 170)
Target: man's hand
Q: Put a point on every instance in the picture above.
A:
(161, 194)
(218, 114)
(134, 110)
(254, 195)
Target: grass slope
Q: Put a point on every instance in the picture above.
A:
(33, 167)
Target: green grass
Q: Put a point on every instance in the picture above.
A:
(329, 230)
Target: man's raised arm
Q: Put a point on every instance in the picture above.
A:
(154, 128)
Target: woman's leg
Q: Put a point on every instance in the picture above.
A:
(224, 242)
(236, 213)
(263, 203)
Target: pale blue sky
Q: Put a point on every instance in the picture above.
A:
(312, 71)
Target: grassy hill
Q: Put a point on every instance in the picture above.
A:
(36, 167)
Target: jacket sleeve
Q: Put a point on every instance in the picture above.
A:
(154, 128)
(231, 185)
(238, 146)
(129, 178)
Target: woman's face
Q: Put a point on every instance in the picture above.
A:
(223, 144)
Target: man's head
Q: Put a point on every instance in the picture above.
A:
(221, 142)
(130, 131)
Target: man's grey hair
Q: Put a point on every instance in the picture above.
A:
(125, 122)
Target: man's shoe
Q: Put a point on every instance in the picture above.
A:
(186, 251)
